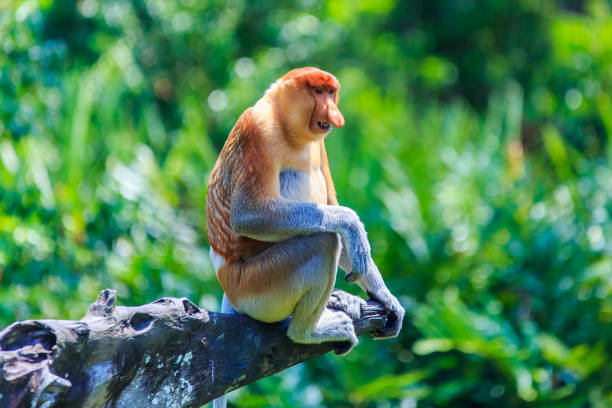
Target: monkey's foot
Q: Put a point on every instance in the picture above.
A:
(345, 302)
(333, 326)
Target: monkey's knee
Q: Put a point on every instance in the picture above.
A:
(327, 242)
(333, 242)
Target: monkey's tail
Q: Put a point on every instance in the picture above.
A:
(226, 307)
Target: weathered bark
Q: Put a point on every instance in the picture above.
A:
(168, 353)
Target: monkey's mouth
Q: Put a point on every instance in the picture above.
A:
(324, 125)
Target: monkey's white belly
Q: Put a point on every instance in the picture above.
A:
(303, 186)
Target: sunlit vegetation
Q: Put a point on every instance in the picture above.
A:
(476, 151)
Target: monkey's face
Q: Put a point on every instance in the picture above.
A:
(325, 112)
(306, 101)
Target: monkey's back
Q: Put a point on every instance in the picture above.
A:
(233, 164)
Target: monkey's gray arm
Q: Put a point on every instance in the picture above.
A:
(281, 219)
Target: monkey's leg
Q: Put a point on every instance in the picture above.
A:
(312, 322)
(296, 277)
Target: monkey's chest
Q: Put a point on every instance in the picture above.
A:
(306, 186)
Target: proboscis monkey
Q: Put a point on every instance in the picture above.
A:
(276, 231)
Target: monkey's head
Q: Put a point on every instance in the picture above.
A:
(309, 100)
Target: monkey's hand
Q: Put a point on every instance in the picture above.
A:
(376, 289)
(395, 314)
(355, 238)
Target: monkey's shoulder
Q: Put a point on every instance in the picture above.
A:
(243, 130)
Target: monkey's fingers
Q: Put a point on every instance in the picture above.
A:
(351, 277)
(391, 328)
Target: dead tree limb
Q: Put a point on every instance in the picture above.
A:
(168, 353)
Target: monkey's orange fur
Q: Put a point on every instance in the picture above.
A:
(242, 158)
(313, 77)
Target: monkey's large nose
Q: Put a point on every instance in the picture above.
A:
(335, 117)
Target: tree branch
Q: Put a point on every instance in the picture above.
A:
(168, 353)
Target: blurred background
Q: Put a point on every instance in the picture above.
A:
(477, 152)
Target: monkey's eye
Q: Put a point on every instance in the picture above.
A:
(318, 90)
(331, 91)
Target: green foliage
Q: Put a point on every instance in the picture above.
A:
(476, 151)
